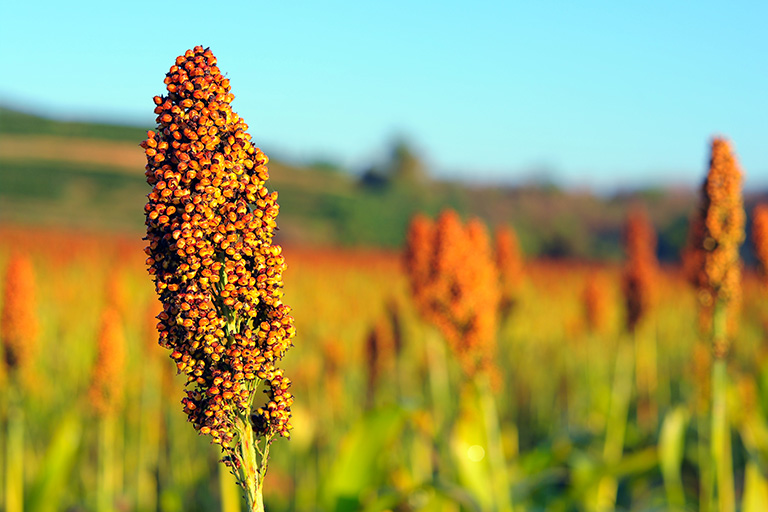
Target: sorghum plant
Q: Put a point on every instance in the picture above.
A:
(19, 325)
(509, 261)
(106, 394)
(455, 285)
(18, 335)
(210, 226)
(760, 237)
(639, 282)
(597, 302)
(714, 267)
(106, 388)
(380, 355)
(641, 268)
(712, 254)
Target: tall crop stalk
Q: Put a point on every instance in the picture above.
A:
(210, 223)
(106, 395)
(639, 282)
(720, 432)
(455, 284)
(14, 454)
(713, 265)
(18, 335)
(105, 476)
(760, 238)
(616, 426)
(500, 484)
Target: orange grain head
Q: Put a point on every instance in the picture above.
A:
(417, 258)
(19, 325)
(455, 284)
(760, 237)
(640, 274)
(380, 349)
(711, 258)
(210, 226)
(597, 302)
(106, 390)
(509, 261)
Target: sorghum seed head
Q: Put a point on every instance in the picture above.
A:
(711, 258)
(597, 302)
(760, 237)
(509, 261)
(455, 285)
(210, 223)
(641, 268)
(18, 325)
(107, 379)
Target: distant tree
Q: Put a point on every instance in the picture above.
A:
(405, 166)
(373, 177)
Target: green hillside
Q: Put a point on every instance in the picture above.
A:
(20, 123)
(319, 203)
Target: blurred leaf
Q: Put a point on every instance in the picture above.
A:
(754, 435)
(755, 489)
(45, 492)
(671, 449)
(470, 450)
(357, 465)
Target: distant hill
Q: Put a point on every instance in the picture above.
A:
(92, 176)
(14, 122)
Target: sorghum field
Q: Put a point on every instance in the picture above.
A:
(385, 415)
(445, 373)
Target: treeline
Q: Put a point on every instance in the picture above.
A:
(323, 204)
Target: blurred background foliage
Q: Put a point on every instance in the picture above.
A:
(72, 198)
(88, 175)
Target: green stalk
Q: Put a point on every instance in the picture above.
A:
(250, 475)
(438, 379)
(706, 475)
(230, 501)
(14, 455)
(663, 388)
(441, 399)
(498, 464)
(105, 478)
(721, 439)
(646, 379)
(617, 425)
(721, 434)
(148, 439)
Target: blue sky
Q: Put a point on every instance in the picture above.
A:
(600, 94)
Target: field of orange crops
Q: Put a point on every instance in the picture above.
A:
(446, 375)
(385, 416)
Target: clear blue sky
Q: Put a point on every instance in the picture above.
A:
(600, 94)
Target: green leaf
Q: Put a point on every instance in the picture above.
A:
(358, 465)
(671, 450)
(755, 489)
(45, 492)
(469, 445)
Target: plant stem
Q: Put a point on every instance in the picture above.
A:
(646, 378)
(251, 475)
(105, 486)
(721, 439)
(441, 399)
(14, 456)
(617, 425)
(230, 501)
(706, 475)
(721, 434)
(497, 461)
